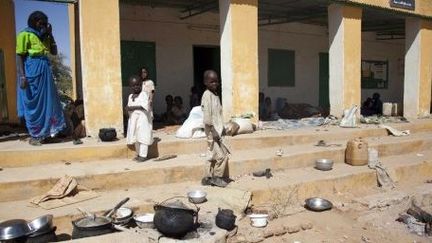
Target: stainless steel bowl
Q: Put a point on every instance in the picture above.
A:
(318, 204)
(41, 224)
(197, 196)
(324, 164)
(144, 220)
(122, 216)
(13, 229)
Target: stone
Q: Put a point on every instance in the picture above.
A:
(306, 226)
(268, 233)
(279, 230)
(255, 236)
(293, 229)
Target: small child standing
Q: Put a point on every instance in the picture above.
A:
(139, 125)
(213, 122)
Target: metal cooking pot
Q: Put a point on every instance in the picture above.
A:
(107, 134)
(175, 219)
(89, 226)
(13, 229)
(225, 219)
(41, 225)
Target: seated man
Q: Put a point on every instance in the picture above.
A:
(179, 114)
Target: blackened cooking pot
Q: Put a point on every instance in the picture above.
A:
(225, 219)
(175, 219)
(107, 134)
(87, 227)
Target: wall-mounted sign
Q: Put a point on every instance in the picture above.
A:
(405, 4)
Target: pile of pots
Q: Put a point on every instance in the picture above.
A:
(40, 229)
(93, 225)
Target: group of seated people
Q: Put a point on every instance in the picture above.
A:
(372, 106)
(176, 113)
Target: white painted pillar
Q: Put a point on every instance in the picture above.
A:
(344, 23)
(418, 67)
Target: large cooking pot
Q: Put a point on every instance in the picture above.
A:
(107, 134)
(175, 219)
(91, 226)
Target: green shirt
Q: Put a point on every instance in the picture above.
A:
(29, 44)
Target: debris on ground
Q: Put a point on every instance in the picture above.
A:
(395, 132)
(382, 119)
(417, 220)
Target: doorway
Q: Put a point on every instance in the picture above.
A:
(324, 99)
(205, 58)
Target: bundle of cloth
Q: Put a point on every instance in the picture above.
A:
(193, 127)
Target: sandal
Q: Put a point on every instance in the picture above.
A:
(35, 142)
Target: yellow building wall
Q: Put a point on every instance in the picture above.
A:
(425, 67)
(352, 56)
(71, 16)
(100, 64)
(422, 7)
(7, 43)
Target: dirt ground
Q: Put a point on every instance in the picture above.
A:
(330, 226)
(348, 221)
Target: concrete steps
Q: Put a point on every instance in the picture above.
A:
(108, 169)
(20, 154)
(298, 184)
(25, 182)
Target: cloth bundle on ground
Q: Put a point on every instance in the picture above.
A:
(383, 176)
(66, 191)
(193, 127)
(350, 117)
(298, 111)
(395, 132)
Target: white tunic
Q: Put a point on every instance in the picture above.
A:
(140, 122)
(148, 87)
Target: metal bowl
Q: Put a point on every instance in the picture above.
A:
(13, 229)
(144, 220)
(123, 213)
(41, 225)
(122, 216)
(197, 196)
(324, 164)
(318, 204)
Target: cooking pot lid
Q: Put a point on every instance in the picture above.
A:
(92, 222)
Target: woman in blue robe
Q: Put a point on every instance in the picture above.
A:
(37, 96)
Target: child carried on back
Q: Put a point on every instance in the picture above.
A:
(139, 130)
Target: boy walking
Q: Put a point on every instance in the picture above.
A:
(217, 153)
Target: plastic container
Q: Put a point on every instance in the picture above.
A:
(373, 155)
(356, 152)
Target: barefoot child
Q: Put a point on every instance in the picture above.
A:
(213, 122)
(139, 125)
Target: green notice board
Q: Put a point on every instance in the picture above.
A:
(136, 54)
(374, 74)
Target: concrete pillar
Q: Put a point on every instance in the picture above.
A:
(7, 44)
(72, 58)
(100, 64)
(344, 23)
(239, 57)
(418, 67)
